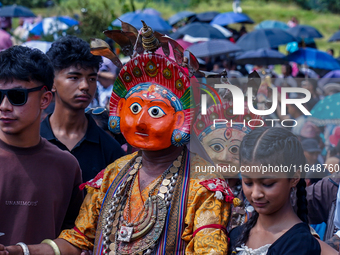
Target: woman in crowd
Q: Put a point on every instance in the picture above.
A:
(274, 227)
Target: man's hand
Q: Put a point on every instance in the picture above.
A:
(334, 242)
(3, 250)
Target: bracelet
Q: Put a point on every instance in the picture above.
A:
(24, 248)
(53, 245)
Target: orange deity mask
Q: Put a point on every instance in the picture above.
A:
(150, 103)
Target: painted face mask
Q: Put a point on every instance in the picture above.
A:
(150, 103)
(222, 140)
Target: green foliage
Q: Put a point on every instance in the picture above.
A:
(95, 17)
(316, 5)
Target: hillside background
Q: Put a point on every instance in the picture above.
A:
(96, 15)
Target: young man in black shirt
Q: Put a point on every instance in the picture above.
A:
(68, 126)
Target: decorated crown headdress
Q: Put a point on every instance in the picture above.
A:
(205, 124)
(150, 72)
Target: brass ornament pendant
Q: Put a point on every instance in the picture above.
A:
(147, 237)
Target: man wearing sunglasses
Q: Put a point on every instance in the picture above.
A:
(39, 193)
(68, 126)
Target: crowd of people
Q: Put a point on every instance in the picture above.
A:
(73, 184)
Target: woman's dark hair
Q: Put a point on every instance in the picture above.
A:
(274, 146)
(72, 51)
(289, 69)
(26, 64)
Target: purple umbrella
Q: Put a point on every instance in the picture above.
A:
(331, 77)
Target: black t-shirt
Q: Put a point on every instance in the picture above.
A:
(94, 152)
(296, 241)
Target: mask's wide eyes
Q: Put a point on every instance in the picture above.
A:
(135, 108)
(156, 112)
(217, 147)
(234, 149)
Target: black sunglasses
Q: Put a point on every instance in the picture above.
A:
(18, 97)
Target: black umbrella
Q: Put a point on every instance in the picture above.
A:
(16, 11)
(204, 17)
(335, 37)
(198, 30)
(304, 32)
(264, 39)
(180, 16)
(213, 47)
(261, 57)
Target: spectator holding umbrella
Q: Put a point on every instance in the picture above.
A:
(5, 40)
(311, 85)
(293, 22)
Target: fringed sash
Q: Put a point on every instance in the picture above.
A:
(170, 241)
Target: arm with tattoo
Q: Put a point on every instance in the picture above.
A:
(334, 242)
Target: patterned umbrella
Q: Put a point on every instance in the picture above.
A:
(327, 111)
(53, 24)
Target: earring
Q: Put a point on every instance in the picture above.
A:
(179, 138)
(293, 197)
(114, 124)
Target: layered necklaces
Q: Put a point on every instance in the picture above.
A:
(126, 236)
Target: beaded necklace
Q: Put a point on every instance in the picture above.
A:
(125, 236)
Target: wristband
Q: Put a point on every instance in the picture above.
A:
(24, 248)
(338, 233)
(53, 245)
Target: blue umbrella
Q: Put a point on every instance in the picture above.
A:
(213, 47)
(314, 58)
(305, 32)
(262, 57)
(264, 39)
(331, 77)
(16, 11)
(150, 11)
(198, 30)
(326, 111)
(335, 37)
(271, 24)
(133, 18)
(180, 16)
(227, 18)
(53, 24)
(204, 17)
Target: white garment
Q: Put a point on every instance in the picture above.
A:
(104, 94)
(300, 122)
(244, 250)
